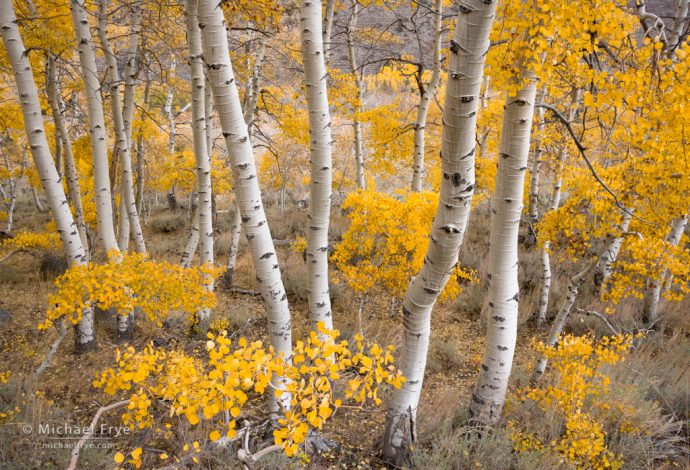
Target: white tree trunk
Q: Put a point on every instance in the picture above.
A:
(650, 312)
(426, 94)
(536, 164)
(123, 142)
(52, 87)
(202, 154)
(489, 394)
(559, 322)
(680, 17)
(33, 123)
(141, 161)
(97, 130)
(328, 27)
(321, 163)
(236, 230)
(613, 244)
(130, 71)
(234, 128)
(465, 70)
(192, 241)
(356, 75)
(123, 223)
(545, 289)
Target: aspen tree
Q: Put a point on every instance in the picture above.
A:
(612, 246)
(650, 311)
(489, 394)
(226, 98)
(320, 143)
(426, 94)
(123, 141)
(85, 336)
(97, 130)
(465, 69)
(555, 201)
(356, 75)
(200, 139)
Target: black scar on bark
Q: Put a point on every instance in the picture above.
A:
(502, 348)
(501, 319)
(266, 255)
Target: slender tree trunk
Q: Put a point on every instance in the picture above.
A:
(328, 28)
(130, 72)
(675, 34)
(37, 200)
(531, 237)
(321, 163)
(545, 289)
(170, 114)
(558, 324)
(123, 141)
(202, 153)
(123, 223)
(504, 290)
(97, 130)
(234, 127)
(650, 312)
(236, 230)
(52, 87)
(141, 161)
(426, 94)
(85, 338)
(192, 241)
(465, 70)
(613, 244)
(356, 75)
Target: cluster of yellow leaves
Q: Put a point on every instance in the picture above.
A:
(24, 240)
(4, 377)
(128, 282)
(387, 241)
(577, 396)
(135, 460)
(303, 383)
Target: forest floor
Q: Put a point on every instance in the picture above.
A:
(64, 394)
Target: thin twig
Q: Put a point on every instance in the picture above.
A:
(75, 452)
(601, 317)
(62, 330)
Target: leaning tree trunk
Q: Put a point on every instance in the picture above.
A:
(321, 163)
(123, 232)
(489, 394)
(559, 322)
(236, 230)
(465, 70)
(248, 193)
(545, 288)
(202, 154)
(650, 312)
(426, 94)
(85, 337)
(97, 130)
(356, 123)
(70, 167)
(192, 241)
(123, 141)
(676, 32)
(130, 72)
(613, 244)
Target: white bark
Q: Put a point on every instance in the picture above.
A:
(680, 17)
(489, 394)
(202, 154)
(123, 228)
(559, 322)
(192, 241)
(356, 76)
(553, 205)
(536, 164)
(328, 27)
(650, 312)
(426, 94)
(52, 87)
(613, 244)
(465, 70)
(130, 71)
(33, 123)
(236, 230)
(141, 161)
(123, 141)
(97, 130)
(234, 128)
(320, 140)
